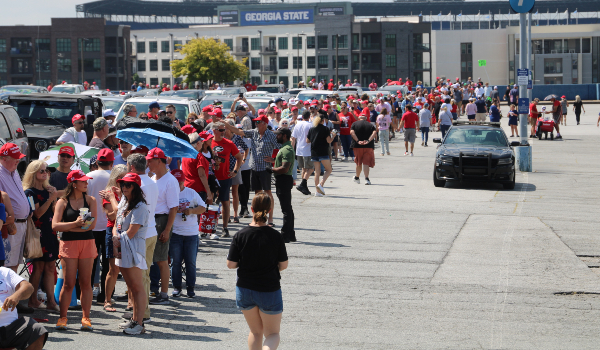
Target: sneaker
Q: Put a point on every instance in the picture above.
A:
(134, 329)
(367, 181)
(86, 325)
(345, 159)
(304, 190)
(159, 300)
(246, 214)
(201, 243)
(214, 236)
(41, 295)
(191, 294)
(426, 145)
(320, 189)
(176, 293)
(225, 233)
(319, 195)
(405, 153)
(61, 325)
(126, 324)
(422, 143)
(411, 154)
(388, 154)
(357, 180)
(96, 291)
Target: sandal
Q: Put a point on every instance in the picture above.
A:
(109, 308)
(236, 219)
(271, 224)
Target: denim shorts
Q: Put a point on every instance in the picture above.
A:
(270, 303)
(319, 158)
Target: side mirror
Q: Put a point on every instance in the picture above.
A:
(515, 144)
(437, 140)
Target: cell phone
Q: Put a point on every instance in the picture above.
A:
(87, 223)
(242, 95)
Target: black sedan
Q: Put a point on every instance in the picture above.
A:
(475, 151)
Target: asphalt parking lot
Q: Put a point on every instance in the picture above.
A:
(402, 264)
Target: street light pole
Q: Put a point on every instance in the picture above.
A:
(298, 56)
(337, 58)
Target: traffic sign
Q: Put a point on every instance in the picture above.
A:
(529, 84)
(522, 6)
(523, 107)
(522, 76)
(482, 63)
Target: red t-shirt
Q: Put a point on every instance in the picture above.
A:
(49, 88)
(330, 86)
(410, 120)
(224, 149)
(104, 201)
(409, 84)
(346, 123)
(175, 88)
(150, 116)
(556, 103)
(190, 167)
(533, 108)
(454, 108)
(166, 89)
(248, 87)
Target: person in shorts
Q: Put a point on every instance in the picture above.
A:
(363, 143)
(410, 122)
(299, 137)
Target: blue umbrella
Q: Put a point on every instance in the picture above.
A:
(170, 144)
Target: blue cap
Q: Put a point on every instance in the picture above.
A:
(153, 105)
(279, 99)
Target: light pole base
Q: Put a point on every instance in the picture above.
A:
(523, 156)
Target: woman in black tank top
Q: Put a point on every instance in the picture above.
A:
(77, 246)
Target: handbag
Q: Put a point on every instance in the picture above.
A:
(8, 229)
(33, 246)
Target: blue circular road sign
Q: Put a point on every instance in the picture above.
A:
(522, 6)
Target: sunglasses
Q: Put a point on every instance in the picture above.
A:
(258, 122)
(65, 156)
(270, 113)
(44, 171)
(123, 142)
(77, 123)
(169, 112)
(221, 130)
(126, 184)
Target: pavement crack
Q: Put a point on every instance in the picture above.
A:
(450, 248)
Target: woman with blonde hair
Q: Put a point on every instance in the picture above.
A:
(259, 250)
(36, 186)
(191, 118)
(577, 107)
(319, 138)
(111, 196)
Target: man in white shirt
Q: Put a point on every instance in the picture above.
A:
(303, 151)
(76, 133)
(184, 241)
(94, 86)
(136, 163)
(164, 216)
(99, 180)
(479, 92)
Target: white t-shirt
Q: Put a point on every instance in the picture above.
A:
(67, 137)
(96, 184)
(168, 196)
(8, 282)
(300, 131)
(188, 198)
(150, 190)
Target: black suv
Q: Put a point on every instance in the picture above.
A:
(475, 151)
(11, 130)
(47, 116)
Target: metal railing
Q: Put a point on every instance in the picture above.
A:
(422, 65)
(269, 50)
(371, 46)
(268, 69)
(420, 46)
(371, 66)
(240, 50)
(20, 51)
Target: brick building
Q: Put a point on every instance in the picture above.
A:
(44, 54)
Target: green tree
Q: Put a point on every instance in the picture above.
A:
(135, 77)
(207, 60)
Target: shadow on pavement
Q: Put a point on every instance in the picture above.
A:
(328, 245)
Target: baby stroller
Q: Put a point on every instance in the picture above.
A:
(544, 126)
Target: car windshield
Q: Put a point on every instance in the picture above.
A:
(167, 93)
(184, 93)
(263, 104)
(182, 109)
(475, 137)
(38, 111)
(65, 89)
(214, 92)
(226, 104)
(112, 104)
(313, 96)
(269, 89)
(19, 89)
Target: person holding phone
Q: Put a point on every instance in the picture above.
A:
(77, 247)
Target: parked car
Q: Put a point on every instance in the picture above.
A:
(373, 94)
(96, 93)
(12, 130)
(183, 105)
(113, 102)
(68, 89)
(475, 151)
(394, 89)
(272, 88)
(355, 89)
(236, 90)
(24, 89)
(197, 95)
(46, 116)
(226, 101)
(322, 94)
(294, 92)
(144, 92)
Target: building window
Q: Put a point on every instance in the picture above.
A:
(178, 44)
(297, 62)
(466, 60)
(153, 65)
(141, 47)
(296, 80)
(283, 43)
(284, 80)
(325, 78)
(343, 61)
(3, 82)
(322, 41)
(553, 66)
(229, 42)
(63, 45)
(343, 41)
(466, 48)
(3, 67)
(153, 48)
(553, 80)
(254, 44)
(165, 46)
(90, 65)
(154, 81)
(355, 42)
(585, 45)
(323, 62)
(390, 77)
(20, 46)
(553, 46)
(44, 65)
(166, 66)
(90, 45)
(165, 81)
(390, 60)
(63, 64)
(310, 42)
(297, 43)
(390, 40)
(254, 63)
(2, 45)
(342, 78)
(42, 45)
(283, 63)
(141, 65)
(310, 62)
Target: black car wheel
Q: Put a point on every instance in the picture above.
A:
(436, 182)
(510, 185)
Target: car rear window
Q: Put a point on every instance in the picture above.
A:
(463, 136)
(182, 109)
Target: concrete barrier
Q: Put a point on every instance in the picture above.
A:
(587, 92)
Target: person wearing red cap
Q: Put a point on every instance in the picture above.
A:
(77, 248)
(216, 115)
(373, 85)
(409, 84)
(100, 179)
(330, 85)
(74, 134)
(184, 242)
(564, 104)
(196, 170)
(164, 215)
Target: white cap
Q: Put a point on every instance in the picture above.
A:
(272, 105)
(242, 103)
(292, 101)
(109, 113)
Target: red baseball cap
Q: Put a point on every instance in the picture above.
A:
(77, 175)
(156, 153)
(262, 118)
(277, 110)
(178, 175)
(294, 109)
(11, 150)
(327, 107)
(217, 112)
(306, 103)
(131, 177)
(66, 150)
(364, 102)
(330, 79)
(188, 129)
(261, 112)
(106, 155)
(140, 149)
(205, 136)
(299, 101)
(563, 96)
(76, 117)
(207, 109)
